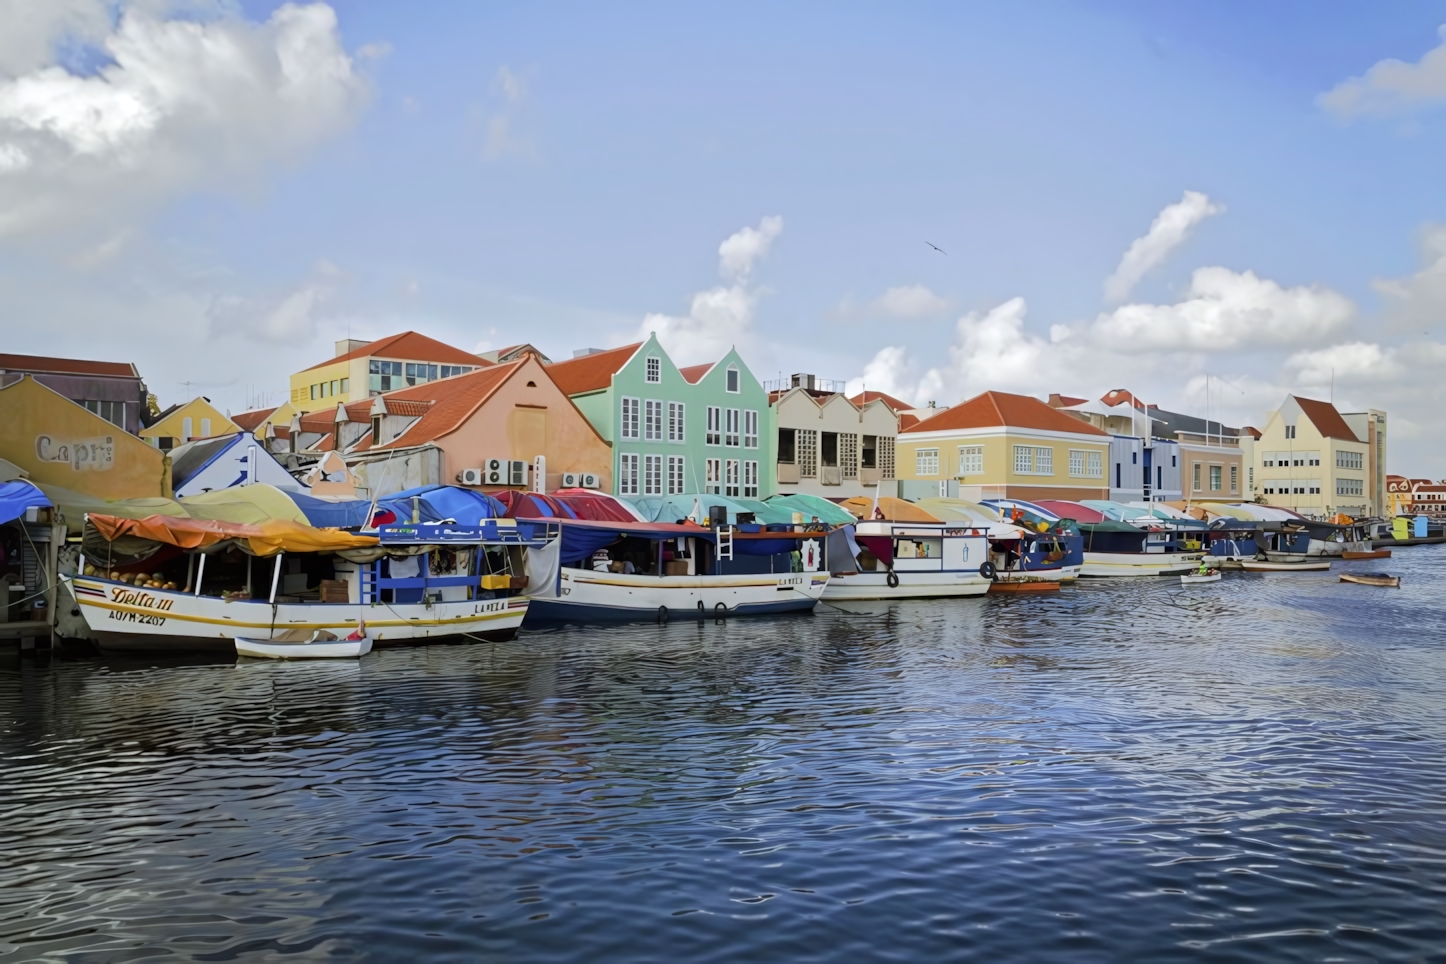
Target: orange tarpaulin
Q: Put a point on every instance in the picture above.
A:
(265, 539)
(894, 510)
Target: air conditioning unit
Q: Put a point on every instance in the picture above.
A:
(470, 476)
(590, 481)
(570, 480)
(517, 473)
(494, 472)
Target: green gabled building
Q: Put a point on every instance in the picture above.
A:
(673, 431)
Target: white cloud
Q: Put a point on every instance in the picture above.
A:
(183, 104)
(907, 302)
(1224, 310)
(32, 29)
(502, 135)
(720, 317)
(1169, 230)
(1354, 361)
(1391, 86)
(288, 317)
(1419, 301)
(888, 372)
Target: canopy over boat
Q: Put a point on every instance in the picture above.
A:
(73, 506)
(1077, 511)
(266, 539)
(246, 504)
(17, 496)
(674, 507)
(594, 504)
(813, 505)
(960, 510)
(893, 510)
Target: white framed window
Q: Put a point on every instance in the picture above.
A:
(1215, 477)
(627, 474)
(732, 382)
(1095, 465)
(806, 452)
(1077, 462)
(750, 480)
(677, 478)
(652, 475)
(628, 427)
(1023, 459)
(730, 428)
(926, 461)
(1349, 487)
(652, 420)
(186, 431)
(676, 421)
(1044, 461)
(971, 460)
(655, 370)
(1234, 478)
(1290, 431)
(730, 480)
(750, 428)
(715, 425)
(1348, 460)
(206, 428)
(714, 482)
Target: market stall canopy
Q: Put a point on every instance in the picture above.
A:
(74, 506)
(1077, 511)
(249, 504)
(599, 505)
(960, 510)
(437, 502)
(813, 505)
(266, 539)
(894, 510)
(17, 496)
(674, 507)
(333, 513)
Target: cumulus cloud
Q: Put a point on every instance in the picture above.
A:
(908, 302)
(1420, 300)
(1224, 310)
(292, 316)
(719, 317)
(1391, 86)
(182, 104)
(1354, 361)
(1169, 230)
(502, 135)
(32, 30)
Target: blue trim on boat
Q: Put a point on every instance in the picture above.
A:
(558, 611)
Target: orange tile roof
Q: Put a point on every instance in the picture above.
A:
(452, 402)
(692, 373)
(66, 366)
(591, 373)
(1003, 409)
(322, 421)
(906, 420)
(409, 346)
(1120, 396)
(407, 407)
(250, 421)
(898, 405)
(1326, 419)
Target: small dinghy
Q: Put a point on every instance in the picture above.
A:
(1191, 578)
(1374, 554)
(299, 644)
(1284, 566)
(1372, 579)
(1024, 587)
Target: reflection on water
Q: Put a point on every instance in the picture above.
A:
(1251, 769)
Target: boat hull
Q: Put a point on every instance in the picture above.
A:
(1271, 566)
(1061, 574)
(1138, 563)
(910, 585)
(584, 595)
(1189, 580)
(126, 618)
(334, 649)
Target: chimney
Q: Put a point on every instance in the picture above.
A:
(806, 382)
(348, 345)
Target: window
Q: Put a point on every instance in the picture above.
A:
(828, 449)
(869, 454)
(205, 428)
(376, 430)
(1023, 459)
(113, 412)
(1250, 478)
(677, 480)
(447, 371)
(971, 460)
(849, 454)
(345, 385)
(1172, 461)
(886, 456)
(652, 475)
(186, 432)
(733, 380)
(335, 386)
(676, 421)
(714, 485)
(1290, 431)
(1349, 487)
(419, 373)
(750, 429)
(1195, 473)
(1234, 478)
(1044, 461)
(807, 453)
(627, 474)
(715, 425)
(730, 431)
(1076, 462)
(730, 481)
(655, 371)
(750, 480)
(1215, 472)
(1348, 460)
(629, 425)
(787, 445)
(653, 420)
(384, 375)
(1096, 465)
(314, 390)
(926, 462)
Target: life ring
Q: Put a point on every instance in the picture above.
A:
(892, 579)
(987, 570)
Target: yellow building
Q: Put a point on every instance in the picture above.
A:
(363, 369)
(60, 443)
(1309, 460)
(997, 446)
(187, 421)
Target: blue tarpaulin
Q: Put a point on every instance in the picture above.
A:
(351, 514)
(16, 497)
(437, 502)
(581, 539)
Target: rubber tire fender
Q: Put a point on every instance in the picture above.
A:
(662, 615)
(892, 579)
(987, 570)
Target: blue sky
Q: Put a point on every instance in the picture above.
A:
(558, 174)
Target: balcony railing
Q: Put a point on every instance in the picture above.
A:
(826, 385)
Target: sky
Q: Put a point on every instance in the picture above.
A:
(1210, 204)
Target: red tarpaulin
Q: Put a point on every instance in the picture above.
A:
(1072, 510)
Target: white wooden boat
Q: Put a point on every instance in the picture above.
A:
(923, 561)
(1195, 578)
(1138, 563)
(1257, 566)
(1372, 579)
(316, 645)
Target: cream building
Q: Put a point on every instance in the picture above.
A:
(997, 445)
(829, 446)
(1309, 459)
(361, 369)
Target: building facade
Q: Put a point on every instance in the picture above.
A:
(999, 445)
(1309, 460)
(829, 446)
(179, 424)
(361, 370)
(703, 429)
(112, 390)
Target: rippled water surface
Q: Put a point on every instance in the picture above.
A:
(1125, 769)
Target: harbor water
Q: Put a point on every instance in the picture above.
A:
(1248, 770)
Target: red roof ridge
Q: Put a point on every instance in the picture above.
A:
(694, 373)
(1326, 419)
(591, 373)
(419, 347)
(464, 394)
(1006, 410)
(49, 365)
(895, 404)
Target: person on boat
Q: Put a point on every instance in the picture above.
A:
(1204, 569)
(878, 514)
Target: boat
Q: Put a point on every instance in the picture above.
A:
(1008, 587)
(607, 571)
(1373, 554)
(1258, 566)
(1301, 539)
(1194, 578)
(179, 584)
(1113, 547)
(909, 560)
(1372, 579)
(298, 644)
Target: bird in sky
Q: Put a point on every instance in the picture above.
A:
(936, 247)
